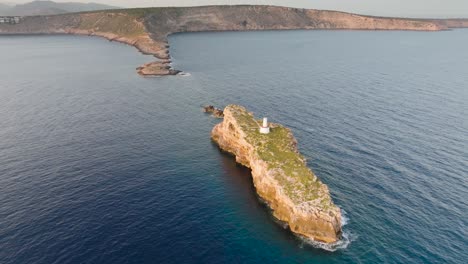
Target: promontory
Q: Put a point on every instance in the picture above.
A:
(280, 174)
(148, 28)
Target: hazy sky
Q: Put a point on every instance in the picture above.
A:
(414, 8)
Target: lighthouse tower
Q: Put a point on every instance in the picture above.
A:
(265, 128)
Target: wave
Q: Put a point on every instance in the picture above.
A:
(343, 243)
(344, 218)
(346, 239)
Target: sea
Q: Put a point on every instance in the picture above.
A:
(100, 165)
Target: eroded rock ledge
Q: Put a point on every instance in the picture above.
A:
(214, 111)
(280, 175)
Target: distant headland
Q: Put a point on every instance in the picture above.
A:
(147, 29)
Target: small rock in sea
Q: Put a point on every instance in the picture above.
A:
(208, 109)
(216, 112)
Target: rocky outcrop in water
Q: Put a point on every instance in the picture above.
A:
(216, 112)
(157, 68)
(280, 175)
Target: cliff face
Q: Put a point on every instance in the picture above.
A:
(216, 18)
(280, 175)
(147, 28)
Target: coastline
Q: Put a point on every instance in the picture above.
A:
(144, 45)
(147, 29)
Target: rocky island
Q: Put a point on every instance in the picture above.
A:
(147, 29)
(280, 175)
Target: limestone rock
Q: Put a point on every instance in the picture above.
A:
(156, 68)
(280, 175)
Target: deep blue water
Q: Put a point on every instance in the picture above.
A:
(99, 165)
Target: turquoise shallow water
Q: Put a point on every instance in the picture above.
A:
(99, 165)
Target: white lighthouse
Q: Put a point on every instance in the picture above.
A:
(265, 128)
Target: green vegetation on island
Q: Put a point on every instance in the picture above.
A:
(278, 149)
(280, 174)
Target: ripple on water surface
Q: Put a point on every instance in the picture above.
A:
(99, 165)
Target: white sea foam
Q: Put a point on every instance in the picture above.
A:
(344, 218)
(185, 74)
(343, 243)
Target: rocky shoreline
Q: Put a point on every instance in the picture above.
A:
(143, 44)
(75, 24)
(280, 175)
